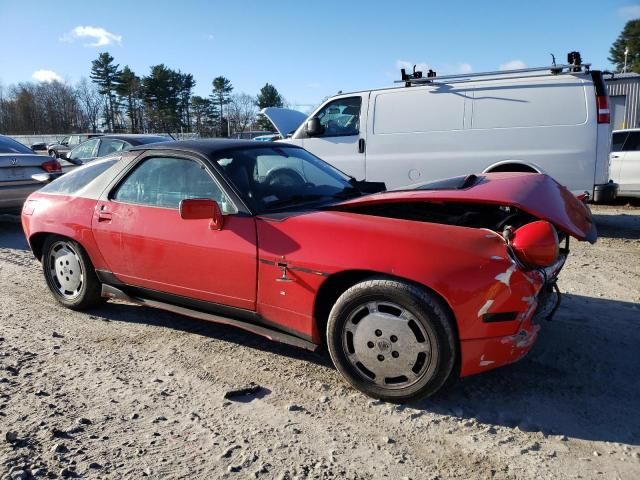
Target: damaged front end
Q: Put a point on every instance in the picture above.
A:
(527, 220)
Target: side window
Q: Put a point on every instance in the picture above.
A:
(341, 117)
(633, 142)
(617, 141)
(74, 140)
(108, 146)
(165, 181)
(85, 150)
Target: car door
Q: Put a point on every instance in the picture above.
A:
(342, 143)
(616, 157)
(146, 243)
(629, 176)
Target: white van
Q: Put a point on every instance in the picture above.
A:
(624, 161)
(520, 120)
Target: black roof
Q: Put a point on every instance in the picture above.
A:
(211, 146)
(138, 139)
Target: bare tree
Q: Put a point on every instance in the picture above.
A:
(242, 111)
(91, 102)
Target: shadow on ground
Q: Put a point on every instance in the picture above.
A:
(11, 235)
(579, 380)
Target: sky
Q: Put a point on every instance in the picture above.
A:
(307, 49)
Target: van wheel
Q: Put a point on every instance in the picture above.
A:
(392, 340)
(69, 273)
(513, 167)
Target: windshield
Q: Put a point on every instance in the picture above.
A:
(9, 145)
(275, 177)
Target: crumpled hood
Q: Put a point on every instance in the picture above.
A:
(536, 194)
(285, 120)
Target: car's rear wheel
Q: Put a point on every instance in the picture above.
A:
(392, 340)
(53, 154)
(69, 273)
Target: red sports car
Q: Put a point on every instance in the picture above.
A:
(406, 288)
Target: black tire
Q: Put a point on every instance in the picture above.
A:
(65, 255)
(415, 336)
(53, 154)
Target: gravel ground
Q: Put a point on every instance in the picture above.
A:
(125, 392)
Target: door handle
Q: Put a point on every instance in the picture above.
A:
(361, 145)
(104, 215)
(615, 156)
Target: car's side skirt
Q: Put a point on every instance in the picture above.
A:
(248, 323)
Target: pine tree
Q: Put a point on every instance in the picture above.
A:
(128, 87)
(267, 97)
(628, 38)
(222, 89)
(105, 74)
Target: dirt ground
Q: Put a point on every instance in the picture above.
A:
(128, 392)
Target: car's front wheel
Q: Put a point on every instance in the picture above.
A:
(392, 340)
(69, 273)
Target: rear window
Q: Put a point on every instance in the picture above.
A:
(78, 178)
(629, 143)
(9, 145)
(617, 141)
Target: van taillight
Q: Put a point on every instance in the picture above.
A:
(602, 102)
(51, 166)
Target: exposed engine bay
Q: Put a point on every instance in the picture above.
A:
(472, 215)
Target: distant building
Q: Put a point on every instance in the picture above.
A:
(624, 99)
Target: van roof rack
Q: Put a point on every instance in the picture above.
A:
(575, 65)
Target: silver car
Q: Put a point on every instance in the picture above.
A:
(17, 165)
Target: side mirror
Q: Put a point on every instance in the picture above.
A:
(313, 127)
(202, 209)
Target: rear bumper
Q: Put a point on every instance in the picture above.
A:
(13, 196)
(605, 192)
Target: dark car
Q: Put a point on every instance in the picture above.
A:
(406, 288)
(65, 145)
(107, 144)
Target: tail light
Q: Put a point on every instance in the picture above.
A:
(535, 244)
(604, 115)
(51, 166)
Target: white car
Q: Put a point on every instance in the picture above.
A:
(624, 161)
(548, 119)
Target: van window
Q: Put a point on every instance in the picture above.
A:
(415, 110)
(341, 117)
(617, 141)
(540, 104)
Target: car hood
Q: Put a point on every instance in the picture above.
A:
(285, 120)
(536, 194)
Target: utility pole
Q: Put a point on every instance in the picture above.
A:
(626, 52)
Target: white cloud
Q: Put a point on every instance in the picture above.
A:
(101, 36)
(47, 76)
(629, 12)
(464, 68)
(513, 65)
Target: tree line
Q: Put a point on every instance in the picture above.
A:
(118, 100)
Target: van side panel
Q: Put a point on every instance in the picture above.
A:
(423, 133)
(414, 134)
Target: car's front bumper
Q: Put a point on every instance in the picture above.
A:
(478, 355)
